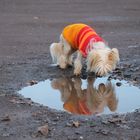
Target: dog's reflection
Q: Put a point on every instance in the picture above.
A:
(91, 100)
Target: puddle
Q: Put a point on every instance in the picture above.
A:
(90, 96)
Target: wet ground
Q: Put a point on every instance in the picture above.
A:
(26, 30)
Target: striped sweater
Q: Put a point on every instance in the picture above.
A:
(80, 36)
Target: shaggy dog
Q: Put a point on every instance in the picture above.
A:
(82, 38)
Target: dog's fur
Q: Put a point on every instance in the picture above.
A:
(100, 60)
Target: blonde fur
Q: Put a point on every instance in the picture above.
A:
(101, 59)
(100, 97)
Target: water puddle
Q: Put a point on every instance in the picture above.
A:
(90, 96)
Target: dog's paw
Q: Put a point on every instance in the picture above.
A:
(62, 62)
(77, 72)
(62, 66)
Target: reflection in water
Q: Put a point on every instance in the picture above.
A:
(90, 96)
(91, 100)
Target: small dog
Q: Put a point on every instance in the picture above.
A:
(88, 44)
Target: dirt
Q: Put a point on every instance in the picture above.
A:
(27, 28)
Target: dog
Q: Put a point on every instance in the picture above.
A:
(84, 40)
(87, 101)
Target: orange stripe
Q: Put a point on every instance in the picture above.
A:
(89, 29)
(84, 45)
(83, 35)
(84, 39)
(80, 33)
(84, 108)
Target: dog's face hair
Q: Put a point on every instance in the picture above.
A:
(102, 61)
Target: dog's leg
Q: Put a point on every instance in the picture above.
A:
(65, 57)
(78, 86)
(70, 59)
(78, 64)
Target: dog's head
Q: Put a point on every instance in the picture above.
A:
(102, 60)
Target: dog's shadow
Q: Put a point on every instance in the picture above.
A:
(85, 101)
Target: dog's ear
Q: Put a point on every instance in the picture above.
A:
(114, 55)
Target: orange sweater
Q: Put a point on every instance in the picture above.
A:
(79, 37)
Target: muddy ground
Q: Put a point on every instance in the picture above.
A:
(27, 28)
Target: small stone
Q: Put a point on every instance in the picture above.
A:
(135, 79)
(92, 124)
(104, 132)
(137, 111)
(105, 122)
(117, 120)
(118, 84)
(68, 124)
(127, 65)
(33, 82)
(109, 78)
(6, 118)
(76, 124)
(81, 137)
(126, 75)
(78, 132)
(6, 135)
(125, 127)
(43, 130)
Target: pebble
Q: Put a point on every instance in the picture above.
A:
(118, 84)
(6, 118)
(109, 78)
(125, 127)
(6, 135)
(81, 137)
(127, 75)
(43, 130)
(68, 124)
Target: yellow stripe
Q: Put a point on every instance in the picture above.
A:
(82, 35)
(70, 33)
(85, 37)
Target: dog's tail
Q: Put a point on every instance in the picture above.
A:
(55, 50)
